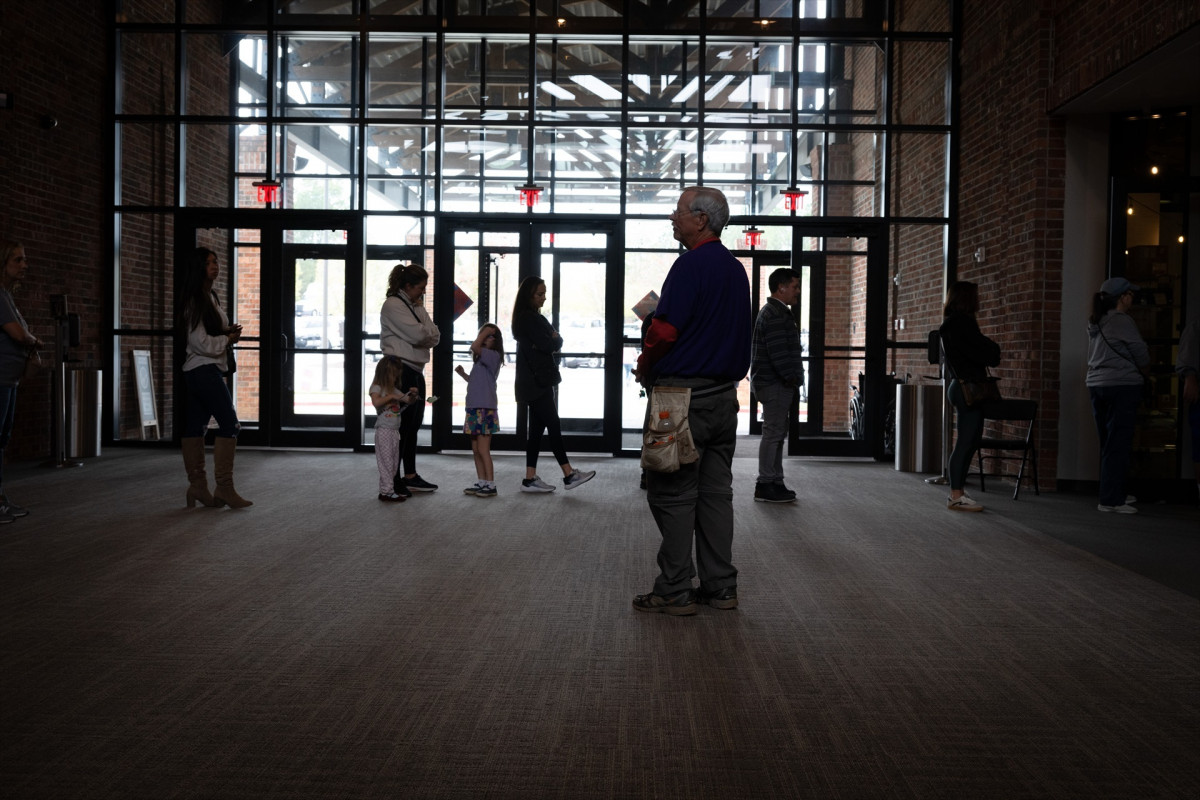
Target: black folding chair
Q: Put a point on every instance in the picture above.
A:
(1014, 412)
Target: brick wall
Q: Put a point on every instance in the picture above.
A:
(1020, 60)
(1011, 189)
(54, 180)
(1094, 39)
(148, 154)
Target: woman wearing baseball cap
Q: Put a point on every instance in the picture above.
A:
(1118, 365)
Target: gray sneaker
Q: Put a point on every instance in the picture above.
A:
(536, 485)
(11, 509)
(578, 478)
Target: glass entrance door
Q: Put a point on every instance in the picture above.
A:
(312, 340)
(576, 279)
(759, 265)
(486, 273)
(842, 317)
(488, 261)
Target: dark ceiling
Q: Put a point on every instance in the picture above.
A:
(1168, 77)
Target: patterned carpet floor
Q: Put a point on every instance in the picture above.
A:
(322, 644)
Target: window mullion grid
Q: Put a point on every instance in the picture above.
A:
(794, 95)
(359, 114)
(439, 125)
(531, 110)
(701, 120)
(180, 110)
(623, 167)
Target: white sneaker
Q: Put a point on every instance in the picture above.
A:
(1130, 499)
(963, 503)
(1125, 509)
(536, 485)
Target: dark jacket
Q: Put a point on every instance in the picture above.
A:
(537, 343)
(776, 355)
(967, 350)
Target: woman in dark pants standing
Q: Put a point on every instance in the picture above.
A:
(407, 334)
(17, 346)
(1118, 365)
(968, 354)
(537, 375)
(209, 337)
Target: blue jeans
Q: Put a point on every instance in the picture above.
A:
(1115, 410)
(776, 402)
(970, 433)
(8, 405)
(208, 397)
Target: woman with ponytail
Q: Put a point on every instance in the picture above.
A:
(1118, 364)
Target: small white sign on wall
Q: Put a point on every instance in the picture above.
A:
(144, 377)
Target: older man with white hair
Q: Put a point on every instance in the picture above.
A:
(700, 339)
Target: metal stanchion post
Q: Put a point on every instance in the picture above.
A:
(59, 447)
(947, 418)
(934, 354)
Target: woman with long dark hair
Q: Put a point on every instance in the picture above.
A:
(1118, 363)
(407, 334)
(17, 346)
(536, 379)
(968, 354)
(209, 337)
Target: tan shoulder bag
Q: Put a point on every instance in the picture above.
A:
(667, 441)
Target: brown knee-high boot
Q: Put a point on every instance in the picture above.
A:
(193, 462)
(223, 450)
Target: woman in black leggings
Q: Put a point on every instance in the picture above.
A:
(537, 375)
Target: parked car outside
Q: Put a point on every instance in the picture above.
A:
(316, 333)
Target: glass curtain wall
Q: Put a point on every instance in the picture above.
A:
(400, 112)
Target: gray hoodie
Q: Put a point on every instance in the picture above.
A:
(1116, 351)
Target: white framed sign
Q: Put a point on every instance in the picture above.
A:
(144, 377)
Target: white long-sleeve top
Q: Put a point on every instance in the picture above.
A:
(406, 331)
(205, 349)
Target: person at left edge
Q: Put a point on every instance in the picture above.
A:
(408, 334)
(776, 373)
(16, 347)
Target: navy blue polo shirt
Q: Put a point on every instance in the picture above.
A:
(706, 297)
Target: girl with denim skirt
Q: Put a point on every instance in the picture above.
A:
(487, 351)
